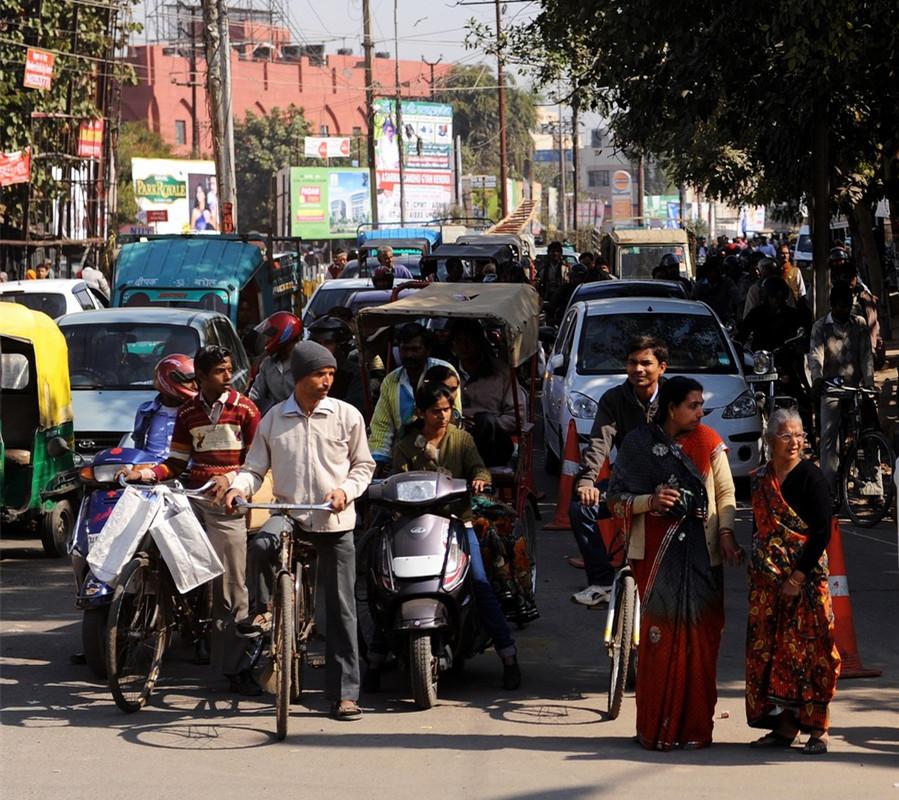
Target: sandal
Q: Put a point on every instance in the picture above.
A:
(815, 746)
(773, 740)
(346, 710)
(260, 623)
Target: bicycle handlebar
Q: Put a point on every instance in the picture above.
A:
(284, 507)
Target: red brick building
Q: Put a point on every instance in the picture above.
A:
(267, 71)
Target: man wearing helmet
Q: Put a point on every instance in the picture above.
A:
(773, 322)
(175, 381)
(273, 383)
(337, 337)
(768, 268)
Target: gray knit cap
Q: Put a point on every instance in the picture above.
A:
(308, 357)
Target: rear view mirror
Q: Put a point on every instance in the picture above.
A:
(558, 364)
(57, 446)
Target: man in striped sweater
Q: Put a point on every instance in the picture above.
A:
(212, 435)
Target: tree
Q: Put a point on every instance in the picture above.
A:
(263, 145)
(795, 102)
(135, 141)
(470, 90)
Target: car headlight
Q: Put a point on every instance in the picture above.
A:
(762, 362)
(744, 406)
(581, 406)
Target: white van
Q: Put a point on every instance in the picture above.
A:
(802, 255)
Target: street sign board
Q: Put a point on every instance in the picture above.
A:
(157, 215)
(15, 167)
(326, 147)
(38, 69)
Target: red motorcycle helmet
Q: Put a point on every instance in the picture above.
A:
(174, 377)
(279, 330)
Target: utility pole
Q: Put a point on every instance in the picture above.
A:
(367, 47)
(218, 90)
(399, 110)
(192, 82)
(562, 170)
(432, 64)
(576, 179)
(501, 101)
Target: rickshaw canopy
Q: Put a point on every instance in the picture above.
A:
(515, 306)
(51, 357)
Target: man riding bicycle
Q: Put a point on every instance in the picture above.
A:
(621, 409)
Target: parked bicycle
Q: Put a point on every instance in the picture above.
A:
(865, 482)
(293, 604)
(146, 610)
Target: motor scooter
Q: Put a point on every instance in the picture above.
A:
(101, 494)
(419, 590)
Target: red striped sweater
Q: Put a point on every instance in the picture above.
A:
(206, 448)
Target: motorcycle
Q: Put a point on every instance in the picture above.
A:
(419, 592)
(92, 595)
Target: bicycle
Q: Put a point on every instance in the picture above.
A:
(866, 459)
(146, 609)
(293, 606)
(621, 635)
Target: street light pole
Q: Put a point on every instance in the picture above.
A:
(501, 100)
(432, 64)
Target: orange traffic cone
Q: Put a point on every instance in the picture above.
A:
(571, 460)
(842, 610)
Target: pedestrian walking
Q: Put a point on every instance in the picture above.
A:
(672, 487)
(316, 450)
(792, 663)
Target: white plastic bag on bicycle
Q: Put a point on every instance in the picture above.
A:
(130, 518)
(184, 545)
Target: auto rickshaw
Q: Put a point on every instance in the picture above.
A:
(512, 312)
(38, 484)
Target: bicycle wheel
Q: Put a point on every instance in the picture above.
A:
(867, 479)
(136, 634)
(622, 640)
(283, 642)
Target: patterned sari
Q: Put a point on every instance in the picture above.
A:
(681, 593)
(791, 659)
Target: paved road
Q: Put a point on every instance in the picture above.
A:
(63, 737)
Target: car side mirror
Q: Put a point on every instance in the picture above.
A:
(558, 364)
(56, 446)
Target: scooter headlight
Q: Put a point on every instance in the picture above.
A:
(456, 564)
(762, 362)
(416, 491)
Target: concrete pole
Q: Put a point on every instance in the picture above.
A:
(367, 47)
(501, 101)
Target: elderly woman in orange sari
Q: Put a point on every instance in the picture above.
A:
(672, 486)
(792, 663)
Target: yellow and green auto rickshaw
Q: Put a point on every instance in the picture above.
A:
(38, 484)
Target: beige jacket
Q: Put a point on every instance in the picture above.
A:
(309, 456)
(719, 485)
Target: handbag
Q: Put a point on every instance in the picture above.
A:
(125, 527)
(184, 545)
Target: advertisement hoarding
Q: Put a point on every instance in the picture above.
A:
(326, 146)
(328, 203)
(622, 195)
(38, 69)
(186, 190)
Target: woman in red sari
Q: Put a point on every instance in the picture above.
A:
(792, 662)
(672, 486)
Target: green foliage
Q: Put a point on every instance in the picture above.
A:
(727, 95)
(476, 119)
(264, 144)
(135, 141)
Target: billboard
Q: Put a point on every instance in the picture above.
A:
(622, 195)
(328, 203)
(186, 190)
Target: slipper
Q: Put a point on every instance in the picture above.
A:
(814, 746)
(577, 563)
(346, 710)
(772, 740)
(260, 623)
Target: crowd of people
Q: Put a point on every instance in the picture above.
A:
(448, 405)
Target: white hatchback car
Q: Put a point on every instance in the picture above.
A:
(588, 358)
(53, 296)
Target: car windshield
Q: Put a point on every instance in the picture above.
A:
(330, 294)
(53, 304)
(696, 343)
(639, 261)
(123, 356)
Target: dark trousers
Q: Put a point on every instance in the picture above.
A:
(589, 541)
(494, 444)
(337, 575)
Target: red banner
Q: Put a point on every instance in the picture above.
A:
(15, 167)
(90, 139)
(38, 69)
